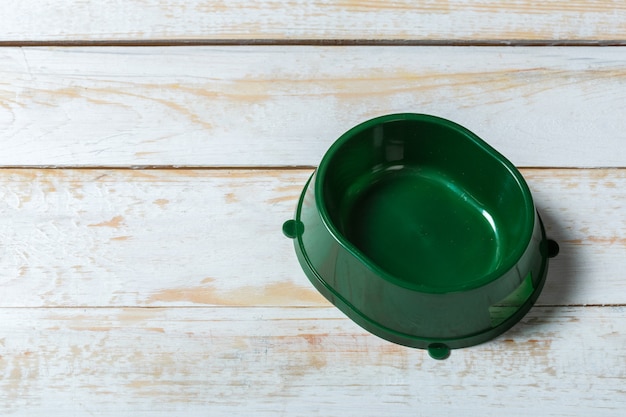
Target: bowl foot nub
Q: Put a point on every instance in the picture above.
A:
(438, 351)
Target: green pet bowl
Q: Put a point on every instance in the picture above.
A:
(421, 233)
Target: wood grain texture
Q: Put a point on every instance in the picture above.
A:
(301, 361)
(213, 237)
(279, 106)
(172, 292)
(59, 20)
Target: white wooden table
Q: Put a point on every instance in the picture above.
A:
(152, 149)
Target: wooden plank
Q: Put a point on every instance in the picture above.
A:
(140, 20)
(301, 361)
(213, 237)
(279, 106)
(583, 210)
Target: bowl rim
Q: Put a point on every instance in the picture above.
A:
(492, 276)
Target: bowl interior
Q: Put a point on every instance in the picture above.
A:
(426, 202)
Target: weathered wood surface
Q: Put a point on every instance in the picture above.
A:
(87, 237)
(144, 20)
(283, 106)
(300, 361)
(172, 291)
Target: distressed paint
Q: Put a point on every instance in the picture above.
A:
(172, 292)
(180, 237)
(173, 20)
(300, 361)
(284, 106)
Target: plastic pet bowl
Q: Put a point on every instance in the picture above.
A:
(421, 233)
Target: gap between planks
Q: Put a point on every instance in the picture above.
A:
(258, 307)
(240, 167)
(163, 167)
(314, 42)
